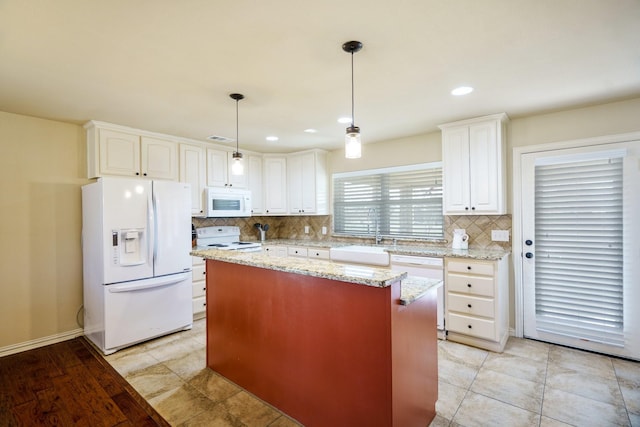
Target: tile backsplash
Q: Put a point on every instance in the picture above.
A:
(478, 227)
(280, 227)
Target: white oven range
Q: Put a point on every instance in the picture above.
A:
(225, 237)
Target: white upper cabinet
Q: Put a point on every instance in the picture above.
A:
(219, 170)
(254, 162)
(275, 185)
(159, 158)
(115, 151)
(307, 183)
(193, 171)
(474, 165)
(119, 153)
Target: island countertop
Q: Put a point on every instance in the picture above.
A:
(363, 275)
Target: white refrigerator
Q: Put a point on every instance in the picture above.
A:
(136, 239)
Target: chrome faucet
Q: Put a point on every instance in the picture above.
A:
(378, 237)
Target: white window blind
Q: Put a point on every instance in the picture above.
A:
(405, 203)
(579, 249)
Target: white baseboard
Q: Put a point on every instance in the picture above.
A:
(40, 342)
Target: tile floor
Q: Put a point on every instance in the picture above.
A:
(530, 384)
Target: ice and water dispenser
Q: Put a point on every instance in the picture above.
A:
(128, 246)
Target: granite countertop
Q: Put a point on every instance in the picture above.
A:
(363, 275)
(413, 288)
(400, 249)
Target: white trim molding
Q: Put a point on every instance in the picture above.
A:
(40, 342)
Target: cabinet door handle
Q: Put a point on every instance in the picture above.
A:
(469, 326)
(137, 173)
(469, 305)
(468, 267)
(473, 208)
(204, 289)
(466, 208)
(468, 285)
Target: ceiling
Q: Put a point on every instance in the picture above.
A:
(169, 66)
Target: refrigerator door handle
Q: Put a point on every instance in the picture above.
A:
(129, 287)
(153, 228)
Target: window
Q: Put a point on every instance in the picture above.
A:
(404, 202)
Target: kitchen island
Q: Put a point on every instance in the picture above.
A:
(328, 344)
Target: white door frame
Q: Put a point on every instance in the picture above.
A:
(517, 206)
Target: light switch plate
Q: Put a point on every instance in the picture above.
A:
(500, 235)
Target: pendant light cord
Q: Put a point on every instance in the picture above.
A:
(237, 127)
(353, 119)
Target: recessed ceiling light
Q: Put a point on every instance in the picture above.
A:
(462, 90)
(310, 130)
(344, 120)
(272, 138)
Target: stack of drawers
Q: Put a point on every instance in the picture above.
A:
(199, 287)
(477, 298)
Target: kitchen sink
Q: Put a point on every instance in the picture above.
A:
(359, 254)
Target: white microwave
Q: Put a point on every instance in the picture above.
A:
(227, 202)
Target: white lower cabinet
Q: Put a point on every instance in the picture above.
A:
(477, 302)
(318, 253)
(296, 251)
(199, 285)
(275, 250)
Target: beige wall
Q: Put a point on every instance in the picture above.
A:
(42, 165)
(396, 152)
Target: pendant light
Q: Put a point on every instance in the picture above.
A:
(352, 144)
(237, 168)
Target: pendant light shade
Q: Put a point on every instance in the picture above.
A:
(237, 168)
(352, 143)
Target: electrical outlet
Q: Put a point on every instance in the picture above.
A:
(306, 229)
(500, 235)
(324, 230)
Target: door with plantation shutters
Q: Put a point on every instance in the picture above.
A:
(580, 247)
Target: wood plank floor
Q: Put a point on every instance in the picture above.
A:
(68, 384)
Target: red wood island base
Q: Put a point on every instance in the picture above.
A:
(325, 352)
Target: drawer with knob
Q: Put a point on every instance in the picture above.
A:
(470, 284)
(471, 267)
(198, 272)
(297, 251)
(199, 305)
(474, 326)
(467, 304)
(318, 253)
